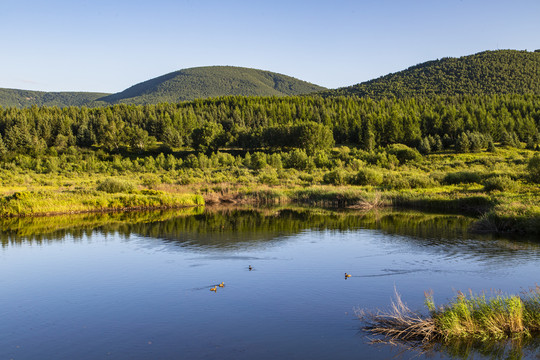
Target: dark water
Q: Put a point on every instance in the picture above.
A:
(137, 285)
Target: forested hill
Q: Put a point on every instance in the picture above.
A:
(187, 84)
(211, 81)
(26, 98)
(485, 73)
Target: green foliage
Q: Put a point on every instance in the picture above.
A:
(296, 159)
(368, 176)
(488, 72)
(425, 146)
(313, 136)
(210, 82)
(534, 168)
(477, 316)
(207, 137)
(500, 183)
(112, 186)
(336, 177)
(463, 144)
(404, 153)
(462, 177)
(28, 98)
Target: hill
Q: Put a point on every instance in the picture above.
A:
(485, 73)
(211, 81)
(26, 98)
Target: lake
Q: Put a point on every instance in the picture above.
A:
(137, 285)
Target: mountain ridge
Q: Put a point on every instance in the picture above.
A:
(211, 81)
(484, 73)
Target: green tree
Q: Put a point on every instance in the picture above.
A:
(462, 143)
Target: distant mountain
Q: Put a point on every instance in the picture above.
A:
(187, 84)
(27, 98)
(211, 81)
(488, 72)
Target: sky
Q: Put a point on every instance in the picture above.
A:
(108, 46)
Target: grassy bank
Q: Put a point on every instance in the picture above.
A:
(475, 317)
(46, 202)
(498, 187)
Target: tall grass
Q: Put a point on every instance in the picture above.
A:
(466, 317)
(28, 203)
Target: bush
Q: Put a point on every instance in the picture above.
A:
(462, 177)
(395, 182)
(336, 177)
(404, 153)
(150, 180)
(368, 177)
(500, 183)
(463, 144)
(258, 160)
(115, 186)
(297, 159)
(420, 181)
(534, 168)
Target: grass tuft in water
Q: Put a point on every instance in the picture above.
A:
(470, 316)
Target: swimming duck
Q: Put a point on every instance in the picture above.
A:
(250, 268)
(222, 284)
(347, 275)
(214, 288)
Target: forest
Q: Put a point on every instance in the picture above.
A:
(272, 123)
(475, 154)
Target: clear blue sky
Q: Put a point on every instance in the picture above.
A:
(70, 45)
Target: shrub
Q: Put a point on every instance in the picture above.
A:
(297, 159)
(268, 176)
(368, 176)
(336, 177)
(534, 168)
(463, 143)
(150, 180)
(258, 160)
(404, 153)
(115, 186)
(395, 182)
(425, 146)
(462, 177)
(419, 181)
(500, 183)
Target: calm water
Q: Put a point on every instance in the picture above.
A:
(136, 286)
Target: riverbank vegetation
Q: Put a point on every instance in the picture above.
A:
(462, 153)
(469, 317)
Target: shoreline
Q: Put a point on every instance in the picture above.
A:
(492, 214)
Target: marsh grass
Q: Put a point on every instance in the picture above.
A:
(29, 203)
(471, 316)
(495, 187)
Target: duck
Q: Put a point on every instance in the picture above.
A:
(214, 288)
(222, 284)
(250, 268)
(347, 275)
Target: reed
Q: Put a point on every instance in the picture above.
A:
(476, 317)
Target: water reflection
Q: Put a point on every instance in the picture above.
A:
(517, 348)
(234, 228)
(108, 268)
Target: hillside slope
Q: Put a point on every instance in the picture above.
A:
(488, 72)
(26, 98)
(211, 81)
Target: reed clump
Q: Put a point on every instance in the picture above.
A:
(474, 317)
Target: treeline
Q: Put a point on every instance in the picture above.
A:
(270, 123)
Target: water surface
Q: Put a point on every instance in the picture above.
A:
(137, 285)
